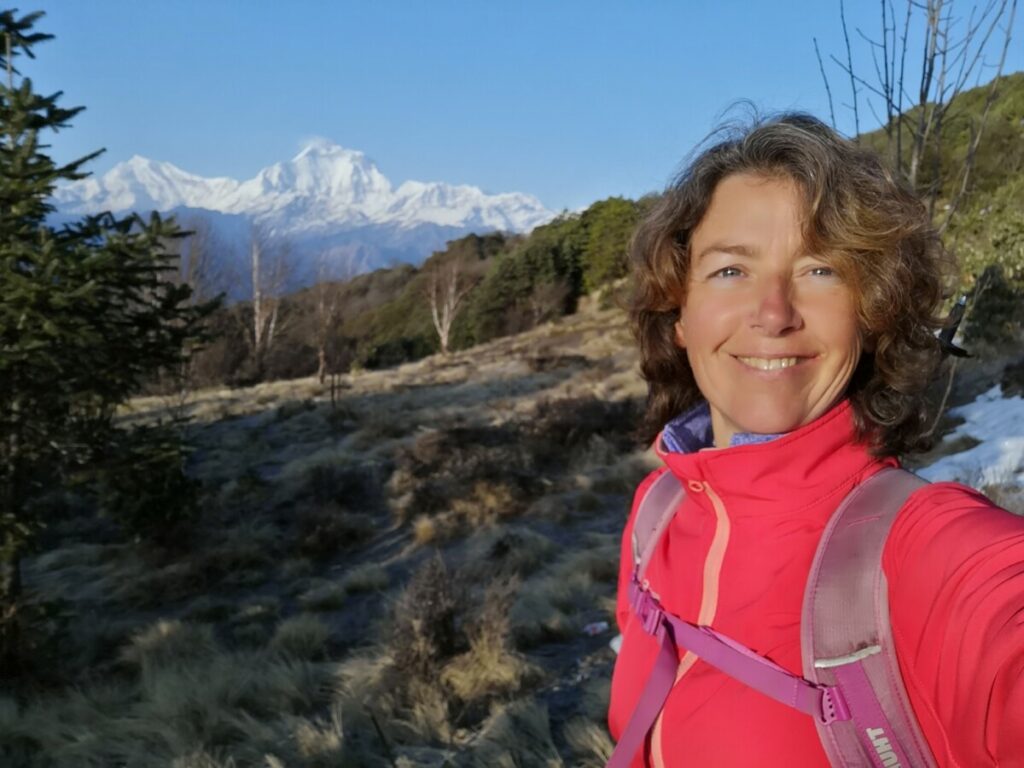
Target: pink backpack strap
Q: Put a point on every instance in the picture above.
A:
(846, 636)
(656, 510)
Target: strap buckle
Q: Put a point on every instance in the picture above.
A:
(833, 705)
(648, 609)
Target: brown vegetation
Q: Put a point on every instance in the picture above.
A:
(401, 578)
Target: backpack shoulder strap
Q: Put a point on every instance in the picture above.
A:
(656, 509)
(846, 636)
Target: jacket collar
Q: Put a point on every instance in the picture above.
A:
(789, 471)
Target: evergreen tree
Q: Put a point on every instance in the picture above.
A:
(609, 225)
(88, 314)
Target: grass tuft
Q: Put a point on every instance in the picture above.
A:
(302, 636)
(324, 596)
(589, 742)
(169, 645)
(368, 577)
(490, 668)
(517, 735)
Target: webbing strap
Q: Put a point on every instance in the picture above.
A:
(873, 727)
(656, 690)
(825, 703)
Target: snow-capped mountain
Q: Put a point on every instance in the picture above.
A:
(323, 186)
(327, 200)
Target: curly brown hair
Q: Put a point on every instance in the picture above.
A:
(870, 227)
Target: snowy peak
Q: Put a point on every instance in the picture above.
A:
(140, 184)
(465, 204)
(324, 169)
(325, 187)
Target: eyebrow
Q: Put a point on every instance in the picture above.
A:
(735, 249)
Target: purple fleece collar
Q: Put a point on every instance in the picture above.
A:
(690, 432)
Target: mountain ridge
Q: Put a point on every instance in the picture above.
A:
(332, 184)
(331, 208)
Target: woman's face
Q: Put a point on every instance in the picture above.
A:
(769, 329)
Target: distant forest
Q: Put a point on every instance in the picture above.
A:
(506, 284)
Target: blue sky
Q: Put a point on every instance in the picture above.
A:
(569, 101)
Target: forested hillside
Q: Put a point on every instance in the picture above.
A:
(383, 318)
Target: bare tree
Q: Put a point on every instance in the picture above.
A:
(269, 270)
(446, 296)
(326, 294)
(952, 58)
(201, 264)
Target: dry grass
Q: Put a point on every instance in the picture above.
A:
(490, 668)
(551, 605)
(423, 632)
(168, 645)
(190, 704)
(589, 742)
(425, 530)
(322, 531)
(214, 677)
(514, 736)
(368, 577)
(504, 456)
(302, 636)
(323, 596)
(428, 716)
(506, 551)
(319, 742)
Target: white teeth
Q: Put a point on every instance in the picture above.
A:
(769, 364)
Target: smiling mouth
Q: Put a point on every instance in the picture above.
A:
(770, 363)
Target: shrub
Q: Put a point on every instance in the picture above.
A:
(479, 472)
(141, 482)
(424, 632)
(490, 667)
(563, 427)
(324, 531)
(997, 313)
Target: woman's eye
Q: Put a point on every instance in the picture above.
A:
(822, 271)
(726, 272)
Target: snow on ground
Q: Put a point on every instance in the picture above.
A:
(998, 459)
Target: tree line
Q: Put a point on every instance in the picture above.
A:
(478, 288)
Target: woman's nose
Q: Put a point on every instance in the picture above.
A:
(774, 312)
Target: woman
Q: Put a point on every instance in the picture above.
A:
(787, 297)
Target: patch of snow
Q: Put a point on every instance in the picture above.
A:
(998, 423)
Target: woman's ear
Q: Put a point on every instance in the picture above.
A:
(680, 333)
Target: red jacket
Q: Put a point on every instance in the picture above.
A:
(736, 556)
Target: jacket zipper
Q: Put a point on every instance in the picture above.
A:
(708, 600)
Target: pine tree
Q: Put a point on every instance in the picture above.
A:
(88, 314)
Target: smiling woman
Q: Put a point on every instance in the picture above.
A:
(842, 210)
(787, 298)
(770, 331)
